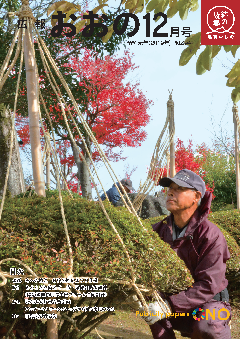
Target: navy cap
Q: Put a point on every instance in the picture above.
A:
(185, 178)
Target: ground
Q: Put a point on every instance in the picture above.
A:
(126, 325)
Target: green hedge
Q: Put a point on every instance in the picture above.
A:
(229, 221)
(31, 229)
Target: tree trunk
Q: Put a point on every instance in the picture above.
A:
(83, 174)
(16, 184)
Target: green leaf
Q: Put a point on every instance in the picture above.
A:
(188, 52)
(165, 4)
(140, 7)
(130, 4)
(172, 11)
(161, 8)
(63, 6)
(235, 95)
(185, 56)
(172, 3)
(234, 49)
(194, 5)
(235, 71)
(207, 57)
(183, 6)
(182, 3)
(183, 12)
(233, 82)
(227, 48)
(195, 40)
(152, 5)
(215, 50)
(199, 66)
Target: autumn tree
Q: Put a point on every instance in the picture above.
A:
(115, 112)
(55, 45)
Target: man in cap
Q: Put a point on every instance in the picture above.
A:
(203, 248)
(113, 194)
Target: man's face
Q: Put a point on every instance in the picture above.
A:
(180, 198)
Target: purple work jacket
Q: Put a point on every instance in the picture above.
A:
(204, 250)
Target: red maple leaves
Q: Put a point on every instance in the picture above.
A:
(115, 111)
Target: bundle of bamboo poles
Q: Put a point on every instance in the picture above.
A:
(160, 155)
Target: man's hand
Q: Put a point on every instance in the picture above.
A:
(133, 302)
(155, 313)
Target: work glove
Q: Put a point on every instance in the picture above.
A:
(155, 313)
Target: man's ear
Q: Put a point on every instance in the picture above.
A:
(198, 195)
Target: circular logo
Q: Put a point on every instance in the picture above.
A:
(195, 311)
(220, 19)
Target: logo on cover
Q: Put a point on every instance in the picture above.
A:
(220, 22)
(220, 19)
(195, 311)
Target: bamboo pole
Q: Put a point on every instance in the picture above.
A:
(48, 165)
(170, 111)
(168, 161)
(33, 112)
(48, 171)
(235, 112)
(64, 167)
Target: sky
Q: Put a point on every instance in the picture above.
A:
(201, 102)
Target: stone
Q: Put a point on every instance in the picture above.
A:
(152, 206)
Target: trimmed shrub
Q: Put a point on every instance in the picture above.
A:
(229, 221)
(32, 230)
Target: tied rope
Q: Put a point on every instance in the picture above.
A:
(24, 12)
